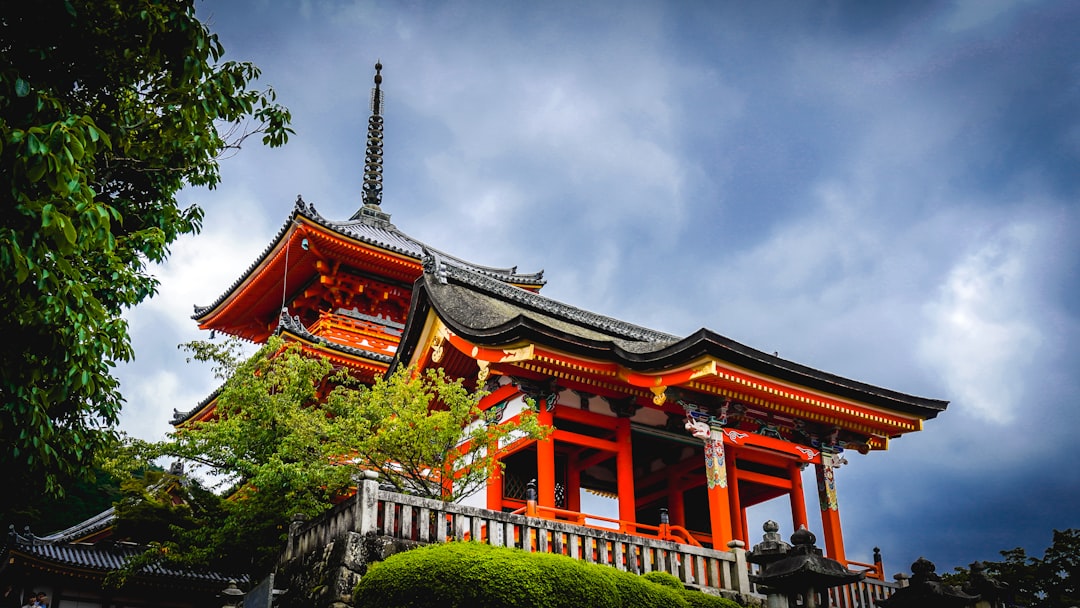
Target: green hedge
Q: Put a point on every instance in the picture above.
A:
(471, 574)
(695, 599)
(465, 574)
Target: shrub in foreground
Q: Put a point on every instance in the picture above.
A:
(695, 599)
(459, 575)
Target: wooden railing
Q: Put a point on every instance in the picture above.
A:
(422, 520)
(863, 594)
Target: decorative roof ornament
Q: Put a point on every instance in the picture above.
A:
(373, 158)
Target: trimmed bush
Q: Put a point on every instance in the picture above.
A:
(663, 578)
(466, 574)
(695, 599)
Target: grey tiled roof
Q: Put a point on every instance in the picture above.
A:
(106, 557)
(97, 523)
(293, 325)
(375, 230)
(485, 311)
(552, 311)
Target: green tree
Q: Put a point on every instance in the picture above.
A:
(425, 434)
(290, 433)
(107, 109)
(1052, 581)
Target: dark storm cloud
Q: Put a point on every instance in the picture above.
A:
(887, 191)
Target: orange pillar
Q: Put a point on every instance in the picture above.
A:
(573, 486)
(798, 500)
(624, 470)
(716, 477)
(545, 461)
(676, 506)
(830, 510)
(494, 492)
(738, 513)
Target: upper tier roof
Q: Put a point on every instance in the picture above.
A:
(373, 229)
(490, 313)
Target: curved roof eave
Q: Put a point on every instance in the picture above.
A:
(575, 334)
(375, 232)
(292, 325)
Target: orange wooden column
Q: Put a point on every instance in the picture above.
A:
(624, 470)
(675, 503)
(798, 499)
(716, 478)
(545, 461)
(573, 485)
(738, 513)
(495, 481)
(830, 510)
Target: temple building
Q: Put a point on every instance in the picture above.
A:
(691, 429)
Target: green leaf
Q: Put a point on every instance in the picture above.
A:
(22, 88)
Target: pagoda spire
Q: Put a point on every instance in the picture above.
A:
(373, 161)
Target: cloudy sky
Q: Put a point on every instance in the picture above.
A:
(888, 192)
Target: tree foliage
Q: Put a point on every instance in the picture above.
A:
(290, 432)
(1052, 581)
(425, 434)
(107, 109)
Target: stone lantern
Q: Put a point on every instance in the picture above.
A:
(797, 570)
(926, 590)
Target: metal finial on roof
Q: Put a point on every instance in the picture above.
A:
(373, 154)
(376, 93)
(373, 161)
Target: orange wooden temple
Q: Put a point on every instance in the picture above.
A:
(698, 427)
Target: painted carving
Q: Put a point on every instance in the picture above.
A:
(698, 428)
(715, 471)
(437, 348)
(826, 479)
(735, 436)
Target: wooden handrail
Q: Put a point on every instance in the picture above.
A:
(871, 570)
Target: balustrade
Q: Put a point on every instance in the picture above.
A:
(422, 520)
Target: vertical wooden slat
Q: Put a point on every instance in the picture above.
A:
(694, 570)
(620, 561)
(424, 524)
(406, 522)
(388, 518)
(476, 530)
(440, 527)
(509, 531)
(461, 526)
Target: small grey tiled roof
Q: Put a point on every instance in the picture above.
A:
(108, 556)
(104, 556)
(293, 325)
(375, 230)
(93, 525)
